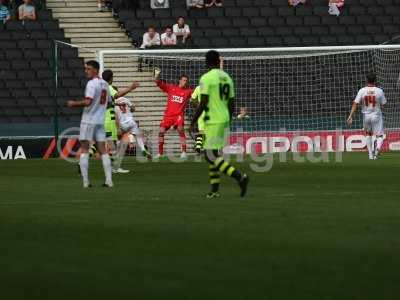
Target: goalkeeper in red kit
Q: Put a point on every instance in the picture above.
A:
(174, 114)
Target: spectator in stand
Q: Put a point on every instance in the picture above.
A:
(182, 30)
(335, 7)
(151, 38)
(214, 2)
(168, 38)
(26, 11)
(4, 12)
(195, 3)
(243, 114)
(99, 5)
(297, 2)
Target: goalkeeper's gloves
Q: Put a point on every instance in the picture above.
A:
(157, 72)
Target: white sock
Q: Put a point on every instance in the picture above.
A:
(369, 146)
(379, 143)
(84, 166)
(107, 167)
(140, 143)
(120, 154)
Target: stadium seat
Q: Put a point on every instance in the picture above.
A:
(233, 12)
(25, 52)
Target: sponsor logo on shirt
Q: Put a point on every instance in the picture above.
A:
(177, 99)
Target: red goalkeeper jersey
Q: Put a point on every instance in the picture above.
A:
(178, 98)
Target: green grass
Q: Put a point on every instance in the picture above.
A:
(305, 231)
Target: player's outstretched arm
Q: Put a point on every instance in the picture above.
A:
(161, 84)
(121, 93)
(79, 103)
(353, 110)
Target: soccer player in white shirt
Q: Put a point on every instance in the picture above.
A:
(372, 100)
(92, 123)
(128, 129)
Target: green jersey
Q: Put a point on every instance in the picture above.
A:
(110, 125)
(196, 98)
(113, 92)
(219, 88)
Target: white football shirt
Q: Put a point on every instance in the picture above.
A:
(123, 111)
(371, 98)
(98, 91)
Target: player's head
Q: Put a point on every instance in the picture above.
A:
(183, 81)
(371, 78)
(27, 1)
(108, 76)
(92, 69)
(212, 59)
(151, 31)
(168, 30)
(181, 21)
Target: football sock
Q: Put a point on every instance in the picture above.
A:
(228, 169)
(369, 146)
(161, 143)
(120, 154)
(379, 143)
(182, 139)
(92, 150)
(140, 143)
(84, 166)
(215, 178)
(199, 142)
(105, 158)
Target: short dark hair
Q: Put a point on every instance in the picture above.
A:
(371, 77)
(107, 75)
(181, 17)
(168, 27)
(94, 64)
(184, 75)
(151, 27)
(212, 58)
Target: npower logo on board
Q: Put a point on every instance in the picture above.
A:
(313, 141)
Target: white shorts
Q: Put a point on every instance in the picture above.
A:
(92, 132)
(130, 127)
(373, 123)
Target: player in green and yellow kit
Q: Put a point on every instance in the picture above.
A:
(217, 102)
(195, 99)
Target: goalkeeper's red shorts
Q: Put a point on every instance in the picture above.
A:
(175, 121)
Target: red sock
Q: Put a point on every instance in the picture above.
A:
(161, 144)
(182, 139)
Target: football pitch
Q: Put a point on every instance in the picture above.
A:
(304, 231)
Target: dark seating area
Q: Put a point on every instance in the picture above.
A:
(26, 71)
(271, 23)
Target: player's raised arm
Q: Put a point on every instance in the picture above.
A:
(161, 84)
(121, 93)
